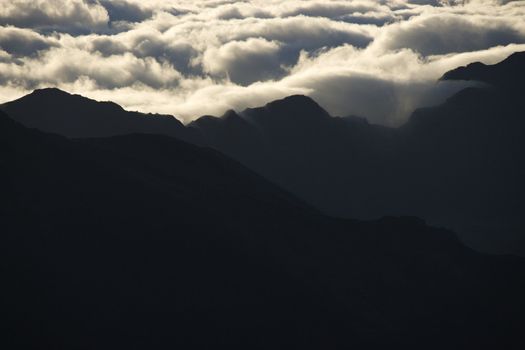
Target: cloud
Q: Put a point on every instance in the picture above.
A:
(23, 42)
(66, 65)
(241, 10)
(331, 9)
(245, 62)
(122, 10)
(301, 32)
(61, 15)
(446, 33)
(377, 59)
(428, 2)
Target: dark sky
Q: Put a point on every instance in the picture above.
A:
(377, 59)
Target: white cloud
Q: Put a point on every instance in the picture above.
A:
(244, 62)
(378, 59)
(443, 33)
(64, 15)
(24, 42)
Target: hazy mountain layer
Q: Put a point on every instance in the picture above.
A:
(459, 165)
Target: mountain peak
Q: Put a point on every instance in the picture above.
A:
(295, 102)
(295, 108)
(509, 73)
(57, 111)
(209, 120)
(49, 92)
(67, 100)
(230, 113)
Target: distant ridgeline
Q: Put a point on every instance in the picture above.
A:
(459, 165)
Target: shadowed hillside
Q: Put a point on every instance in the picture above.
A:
(144, 241)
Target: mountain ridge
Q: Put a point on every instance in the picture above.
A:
(350, 168)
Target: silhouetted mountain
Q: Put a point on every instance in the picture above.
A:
(459, 165)
(53, 110)
(144, 241)
(227, 132)
(508, 74)
(296, 143)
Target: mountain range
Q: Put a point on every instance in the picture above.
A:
(458, 165)
(144, 241)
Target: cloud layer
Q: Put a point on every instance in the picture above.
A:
(377, 59)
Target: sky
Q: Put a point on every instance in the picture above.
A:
(375, 59)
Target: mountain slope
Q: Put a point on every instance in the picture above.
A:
(144, 241)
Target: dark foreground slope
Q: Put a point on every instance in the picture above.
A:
(146, 242)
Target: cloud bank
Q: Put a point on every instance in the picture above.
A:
(376, 59)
